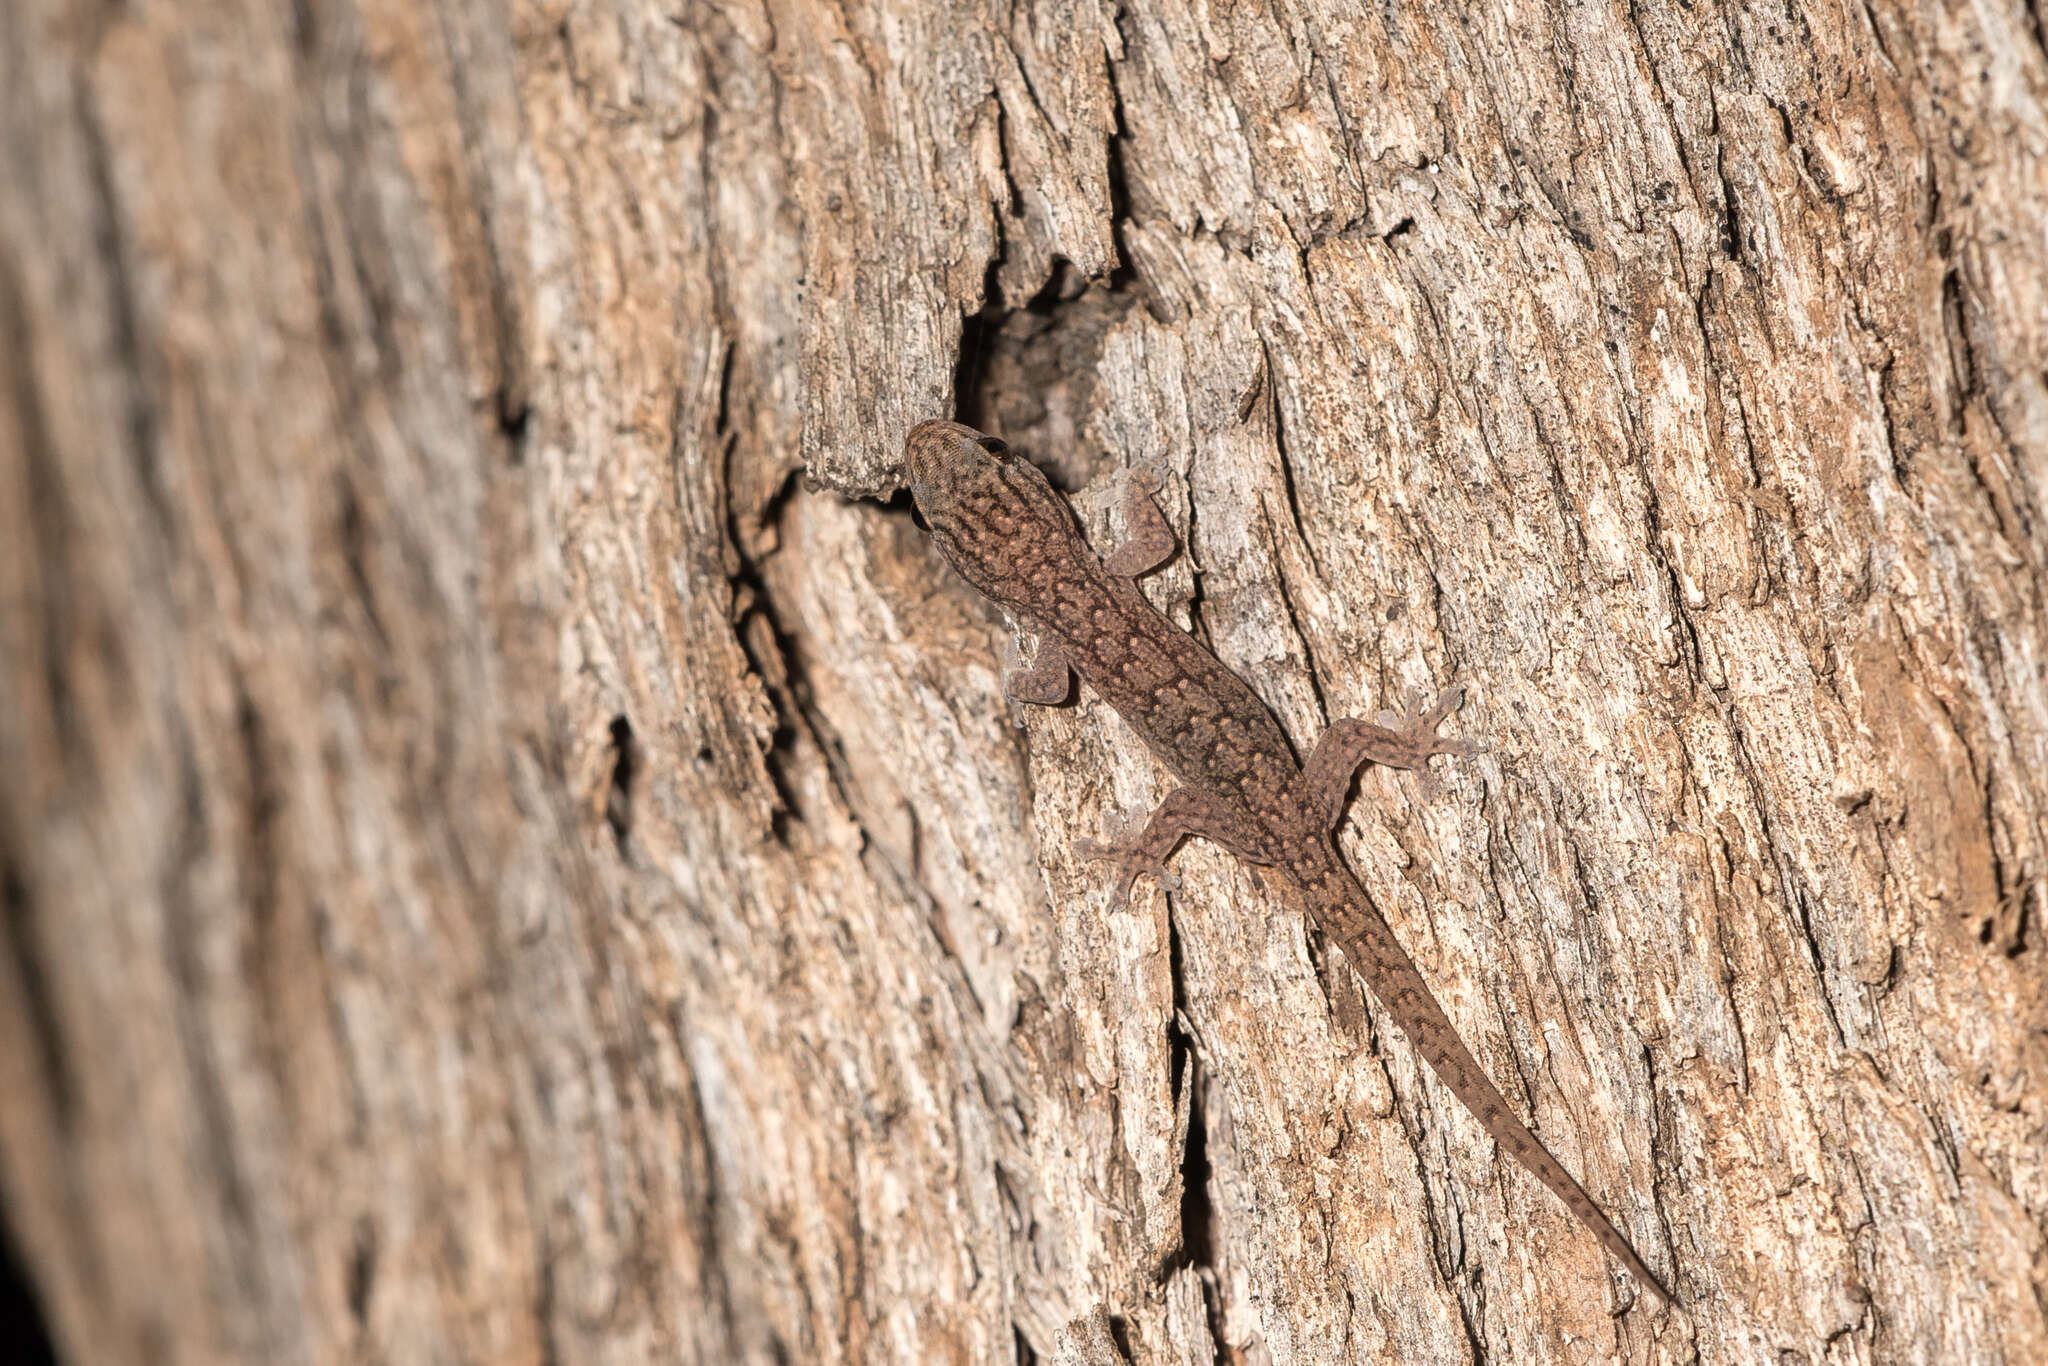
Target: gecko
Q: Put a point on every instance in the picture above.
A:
(1000, 524)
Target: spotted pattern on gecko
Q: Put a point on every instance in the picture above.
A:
(1009, 534)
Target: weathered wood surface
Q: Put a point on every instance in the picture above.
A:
(498, 866)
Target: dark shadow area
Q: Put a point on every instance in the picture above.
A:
(24, 1337)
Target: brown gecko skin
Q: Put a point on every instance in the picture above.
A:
(998, 521)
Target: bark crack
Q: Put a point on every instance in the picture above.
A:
(618, 802)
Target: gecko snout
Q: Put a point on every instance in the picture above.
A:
(938, 455)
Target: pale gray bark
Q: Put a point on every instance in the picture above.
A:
(501, 866)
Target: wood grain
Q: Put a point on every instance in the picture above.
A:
(509, 852)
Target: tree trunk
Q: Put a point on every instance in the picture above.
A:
(505, 861)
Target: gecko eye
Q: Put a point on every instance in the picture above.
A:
(993, 445)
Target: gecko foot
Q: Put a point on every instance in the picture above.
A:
(1407, 741)
(1148, 537)
(1144, 480)
(1132, 858)
(1419, 727)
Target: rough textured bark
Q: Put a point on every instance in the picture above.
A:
(499, 865)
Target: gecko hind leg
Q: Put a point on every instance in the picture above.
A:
(1186, 811)
(1326, 777)
(1149, 539)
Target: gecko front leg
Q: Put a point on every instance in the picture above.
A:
(1148, 537)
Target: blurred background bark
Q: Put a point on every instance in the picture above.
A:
(501, 859)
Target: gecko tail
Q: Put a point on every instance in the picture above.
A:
(1574, 1195)
(1392, 975)
(1460, 1071)
(1478, 1092)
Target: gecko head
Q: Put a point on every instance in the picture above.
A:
(947, 463)
(991, 514)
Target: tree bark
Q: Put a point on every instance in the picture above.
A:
(503, 859)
